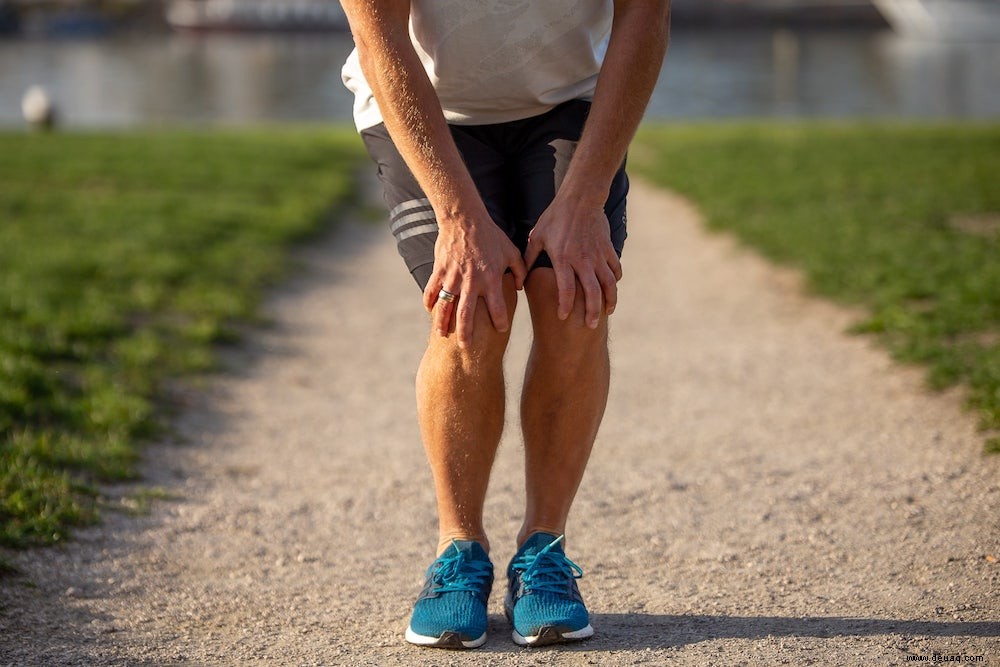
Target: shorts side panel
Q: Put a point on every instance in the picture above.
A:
(411, 218)
(547, 149)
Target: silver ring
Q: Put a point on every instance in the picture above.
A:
(446, 296)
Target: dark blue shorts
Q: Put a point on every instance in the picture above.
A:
(517, 167)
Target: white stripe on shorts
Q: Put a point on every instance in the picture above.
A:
(408, 204)
(417, 231)
(407, 219)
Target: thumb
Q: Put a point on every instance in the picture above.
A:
(531, 254)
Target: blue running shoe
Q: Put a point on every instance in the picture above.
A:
(450, 611)
(543, 601)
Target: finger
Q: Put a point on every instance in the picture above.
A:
(497, 307)
(444, 309)
(531, 254)
(442, 317)
(465, 317)
(431, 291)
(616, 265)
(609, 286)
(430, 296)
(566, 288)
(520, 270)
(592, 298)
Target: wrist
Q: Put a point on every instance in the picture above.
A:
(459, 207)
(455, 218)
(584, 193)
(582, 199)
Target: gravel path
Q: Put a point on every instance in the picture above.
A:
(765, 489)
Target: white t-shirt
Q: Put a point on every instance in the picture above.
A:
(493, 61)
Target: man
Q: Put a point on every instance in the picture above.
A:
(500, 129)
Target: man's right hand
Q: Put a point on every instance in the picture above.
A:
(470, 259)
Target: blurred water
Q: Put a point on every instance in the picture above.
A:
(239, 79)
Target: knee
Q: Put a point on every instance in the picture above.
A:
(485, 349)
(571, 341)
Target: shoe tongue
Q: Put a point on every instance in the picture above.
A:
(539, 541)
(474, 550)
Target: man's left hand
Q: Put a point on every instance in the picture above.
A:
(577, 238)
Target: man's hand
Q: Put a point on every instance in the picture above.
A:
(470, 260)
(577, 238)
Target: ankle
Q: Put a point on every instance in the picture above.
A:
(445, 540)
(527, 530)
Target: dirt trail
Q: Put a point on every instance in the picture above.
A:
(765, 489)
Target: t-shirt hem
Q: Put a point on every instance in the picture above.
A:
(370, 119)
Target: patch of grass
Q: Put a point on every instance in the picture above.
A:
(902, 219)
(124, 258)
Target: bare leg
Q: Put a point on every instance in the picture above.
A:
(460, 404)
(565, 393)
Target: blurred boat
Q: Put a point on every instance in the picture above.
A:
(943, 19)
(256, 15)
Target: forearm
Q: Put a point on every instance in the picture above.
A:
(639, 37)
(412, 114)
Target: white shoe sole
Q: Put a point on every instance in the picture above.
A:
(446, 640)
(549, 635)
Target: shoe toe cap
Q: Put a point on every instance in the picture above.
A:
(463, 615)
(534, 612)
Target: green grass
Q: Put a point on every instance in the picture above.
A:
(901, 219)
(124, 259)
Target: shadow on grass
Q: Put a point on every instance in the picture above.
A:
(617, 632)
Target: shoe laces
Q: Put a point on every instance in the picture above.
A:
(547, 570)
(458, 572)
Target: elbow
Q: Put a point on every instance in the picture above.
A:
(650, 19)
(659, 20)
(370, 60)
(365, 55)
(380, 54)
(662, 21)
